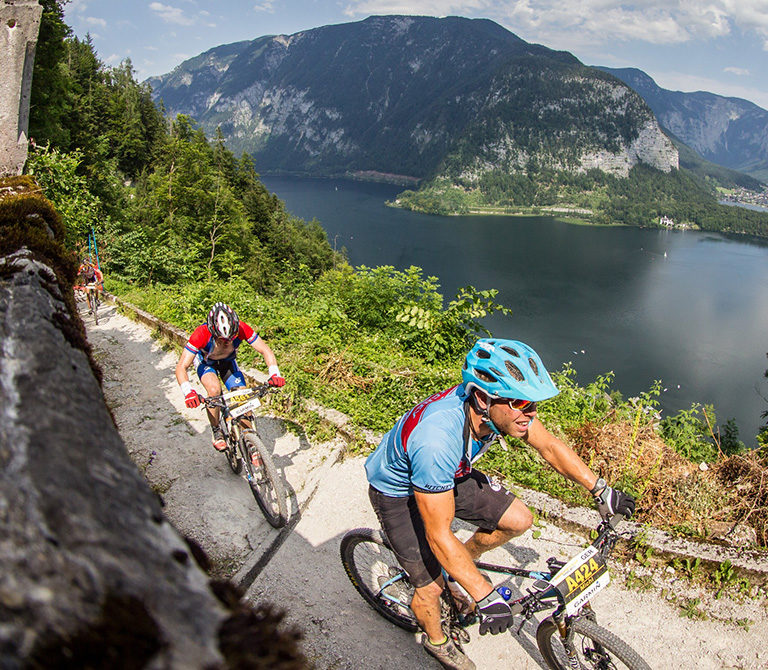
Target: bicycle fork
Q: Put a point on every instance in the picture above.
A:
(566, 635)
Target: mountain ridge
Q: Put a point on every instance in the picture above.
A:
(728, 131)
(414, 96)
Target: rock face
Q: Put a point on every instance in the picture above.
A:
(89, 561)
(727, 131)
(19, 24)
(413, 96)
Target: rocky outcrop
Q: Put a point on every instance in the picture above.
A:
(651, 147)
(93, 574)
(19, 24)
(728, 131)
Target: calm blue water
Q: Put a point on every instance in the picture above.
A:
(688, 308)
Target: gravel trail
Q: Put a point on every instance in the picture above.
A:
(299, 569)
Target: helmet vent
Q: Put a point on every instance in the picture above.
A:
(534, 367)
(482, 353)
(482, 375)
(514, 371)
(510, 351)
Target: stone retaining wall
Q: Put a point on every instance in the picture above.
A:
(93, 574)
(19, 25)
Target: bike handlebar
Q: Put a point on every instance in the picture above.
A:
(255, 391)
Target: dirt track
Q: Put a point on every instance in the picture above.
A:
(298, 568)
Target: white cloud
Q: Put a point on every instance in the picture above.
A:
(585, 22)
(93, 21)
(265, 6)
(423, 7)
(736, 70)
(171, 14)
(77, 6)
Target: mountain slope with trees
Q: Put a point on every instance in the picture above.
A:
(404, 94)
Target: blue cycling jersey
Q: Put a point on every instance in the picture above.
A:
(425, 451)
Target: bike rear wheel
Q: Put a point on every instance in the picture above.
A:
(595, 647)
(374, 571)
(264, 480)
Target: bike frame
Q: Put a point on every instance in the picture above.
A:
(234, 426)
(542, 595)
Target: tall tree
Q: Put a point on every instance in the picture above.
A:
(50, 102)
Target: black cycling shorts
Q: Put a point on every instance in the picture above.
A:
(478, 501)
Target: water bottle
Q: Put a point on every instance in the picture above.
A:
(456, 588)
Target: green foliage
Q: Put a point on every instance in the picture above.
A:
(729, 438)
(689, 435)
(690, 567)
(691, 609)
(725, 575)
(56, 172)
(50, 100)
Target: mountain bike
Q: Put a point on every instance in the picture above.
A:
(246, 451)
(93, 301)
(569, 639)
(88, 292)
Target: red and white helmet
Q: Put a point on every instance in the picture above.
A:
(223, 321)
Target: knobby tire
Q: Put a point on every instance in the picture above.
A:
(592, 642)
(92, 306)
(233, 458)
(266, 484)
(369, 562)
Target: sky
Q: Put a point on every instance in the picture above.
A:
(719, 46)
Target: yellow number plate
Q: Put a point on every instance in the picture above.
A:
(581, 578)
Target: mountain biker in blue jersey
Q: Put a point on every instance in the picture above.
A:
(421, 477)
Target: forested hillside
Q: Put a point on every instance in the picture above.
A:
(182, 222)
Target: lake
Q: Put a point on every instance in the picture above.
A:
(685, 307)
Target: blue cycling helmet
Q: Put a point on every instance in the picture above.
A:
(507, 369)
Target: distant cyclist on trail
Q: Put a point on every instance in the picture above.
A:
(213, 347)
(88, 274)
(421, 477)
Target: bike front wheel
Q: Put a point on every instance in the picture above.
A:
(233, 458)
(92, 306)
(595, 647)
(374, 571)
(264, 480)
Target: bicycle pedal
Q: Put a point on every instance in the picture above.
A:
(466, 620)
